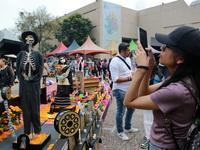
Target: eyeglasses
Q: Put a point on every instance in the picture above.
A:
(166, 46)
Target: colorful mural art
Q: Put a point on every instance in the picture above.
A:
(112, 24)
(111, 19)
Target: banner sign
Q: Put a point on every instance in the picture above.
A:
(111, 23)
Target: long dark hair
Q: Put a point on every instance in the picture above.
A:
(189, 68)
(154, 73)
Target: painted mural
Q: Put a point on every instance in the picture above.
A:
(111, 19)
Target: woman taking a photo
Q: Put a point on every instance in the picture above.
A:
(181, 55)
(6, 75)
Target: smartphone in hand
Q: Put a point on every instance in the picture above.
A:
(142, 37)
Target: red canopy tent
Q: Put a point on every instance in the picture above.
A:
(59, 49)
(89, 48)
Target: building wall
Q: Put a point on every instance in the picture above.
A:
(159, 19)
(167, 17)
(129, 23)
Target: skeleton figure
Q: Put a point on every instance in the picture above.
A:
(29, 72)
(63, 74)
(28, 61)
(64, 86)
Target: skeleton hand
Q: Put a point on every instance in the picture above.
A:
(25, 76)
(61, 80)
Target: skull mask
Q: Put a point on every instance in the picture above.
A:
(62, 60)
(30, 40)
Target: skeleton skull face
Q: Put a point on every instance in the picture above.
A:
(77, 56)
(62, 59)
(30, 39)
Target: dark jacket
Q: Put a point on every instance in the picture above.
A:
(6, 77)
(34, 80)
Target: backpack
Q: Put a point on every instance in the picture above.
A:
(193, 139)
(104, 65)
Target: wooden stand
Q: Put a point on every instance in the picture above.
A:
(88, 83)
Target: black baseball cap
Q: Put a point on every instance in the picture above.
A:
(185, 37)
(123, 46)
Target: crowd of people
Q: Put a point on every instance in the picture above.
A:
(92, 66)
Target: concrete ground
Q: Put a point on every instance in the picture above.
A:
(110, 140)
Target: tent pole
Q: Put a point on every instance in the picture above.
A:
(84, 55)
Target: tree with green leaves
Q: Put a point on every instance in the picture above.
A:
(74, 27)
(41, 22)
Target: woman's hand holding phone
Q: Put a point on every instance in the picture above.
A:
(142, 59)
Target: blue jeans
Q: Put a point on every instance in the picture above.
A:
(119, 94)
(153, 147)
(89, 72)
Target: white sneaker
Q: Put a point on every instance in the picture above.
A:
(122, 136)
(131, 130)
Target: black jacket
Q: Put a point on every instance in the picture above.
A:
(6, 77)
(34, 80)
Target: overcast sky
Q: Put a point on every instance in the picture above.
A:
(10, 8)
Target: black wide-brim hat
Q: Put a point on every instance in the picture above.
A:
(185, 37)
(26, 33)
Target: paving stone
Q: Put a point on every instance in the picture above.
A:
(110, 140)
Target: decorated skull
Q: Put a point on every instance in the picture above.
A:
(29, 39)
(62, 60)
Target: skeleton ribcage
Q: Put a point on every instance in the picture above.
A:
(28, 64)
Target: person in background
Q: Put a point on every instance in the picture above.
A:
(181, 55)
(6, 74)
(79, 71)
(46, 72)
(71, 64)
(54, 64)
(7, 59)
(14, 69)
(90, 66)
(122, 74)
(101, 62)
(85, 65)
(104, 66)
(156, 77)
(109, 75)
(164, 70)
(98, 66)
(95, 69)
